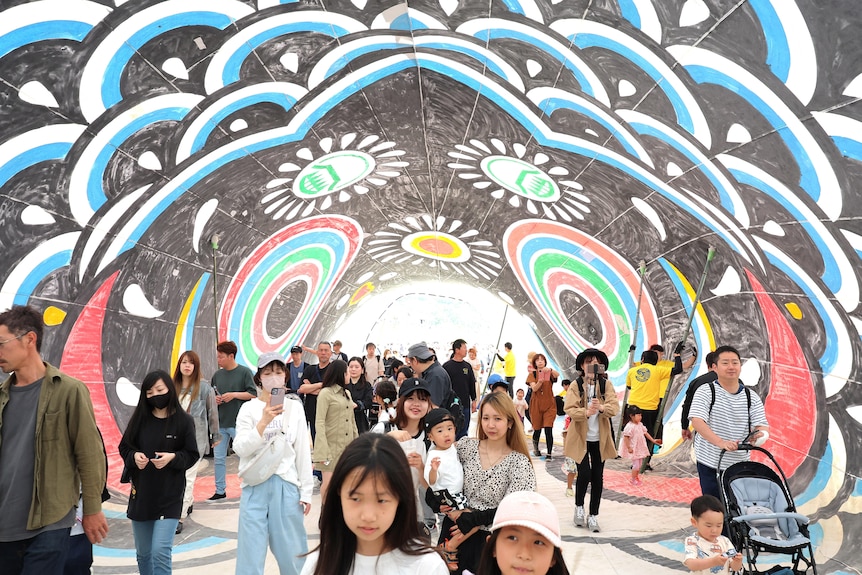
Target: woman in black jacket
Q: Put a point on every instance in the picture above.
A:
(158, 446)
(361, 392)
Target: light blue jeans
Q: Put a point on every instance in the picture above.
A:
(219, 457)
(270, 513)
(153, 543)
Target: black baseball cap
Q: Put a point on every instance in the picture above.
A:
(412, 384)
(296, 349)
(437, 416)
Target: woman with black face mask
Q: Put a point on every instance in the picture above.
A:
(158, 446)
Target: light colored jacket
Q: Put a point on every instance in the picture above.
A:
(336, 425)
(204, 411)
(576, 438)
(69, 459)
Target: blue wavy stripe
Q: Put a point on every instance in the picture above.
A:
(683, 117)
(31, 157)
(193, 310)
(821, 478)
(630, 12)
(41, 31)
(831, 275)
(849, 148)
(114, 70)
(39, 272)
(514, 6)
(232, 67)
(777, 47)
(278, 98)
(808, 177)
(406, 23)
(95, 192)
(205, 543)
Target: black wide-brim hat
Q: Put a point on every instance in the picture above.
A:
(592, 352)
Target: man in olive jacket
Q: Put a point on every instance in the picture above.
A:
(50, 453)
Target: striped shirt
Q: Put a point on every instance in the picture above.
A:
(729, 420)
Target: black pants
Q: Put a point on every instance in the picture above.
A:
(650, 416)
(549, 438)
(591, 471)
(511, 382)
(470, 551)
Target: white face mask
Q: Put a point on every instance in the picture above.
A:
(270, 382)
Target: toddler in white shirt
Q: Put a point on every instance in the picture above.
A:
(443, 471)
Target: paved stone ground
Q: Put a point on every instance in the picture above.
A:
(642, 527)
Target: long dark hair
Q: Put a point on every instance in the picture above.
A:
(488, 563)
(143, 410)
(380, 458)
(196, 374)
(334, 374)
(363, 378)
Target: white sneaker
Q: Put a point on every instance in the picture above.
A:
(570, 492)
(593, 523)
(579, 516)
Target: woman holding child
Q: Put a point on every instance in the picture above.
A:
(495, 464)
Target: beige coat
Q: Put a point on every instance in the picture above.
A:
(336, 425)
(576, 438)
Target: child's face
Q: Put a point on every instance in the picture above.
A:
(443, 434)
(520, 394)
(636, 418)
(709, 524)
(521, 550)
(414, 407)
(369, 510)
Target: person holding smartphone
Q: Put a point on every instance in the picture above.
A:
(543, 406)
(589, 441)
(271, 512)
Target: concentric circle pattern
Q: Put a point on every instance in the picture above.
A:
(173, 172)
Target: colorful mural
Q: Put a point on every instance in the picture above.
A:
(176, 171)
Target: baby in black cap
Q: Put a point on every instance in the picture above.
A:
(443, 471)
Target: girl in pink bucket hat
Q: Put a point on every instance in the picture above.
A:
(525, 537)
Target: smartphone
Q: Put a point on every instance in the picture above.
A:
(276, 396)
(598, 369)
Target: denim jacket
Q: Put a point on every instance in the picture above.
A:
(69, 458)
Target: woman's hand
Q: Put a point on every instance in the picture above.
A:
(415, 460)
(141, 460)
(453, 514)
(399, 435)
(162, 458)
(306, 507)
(270, 413)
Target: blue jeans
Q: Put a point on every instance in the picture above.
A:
(80, 556)
(45, 553)
(270, 513)
(708, 481)
(219, 457)
(463, 431)
(153, 543)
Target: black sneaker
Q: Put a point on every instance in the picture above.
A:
(179, 528)
(217, 496)
(190, 509)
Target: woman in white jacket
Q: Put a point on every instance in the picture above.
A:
(272, 508)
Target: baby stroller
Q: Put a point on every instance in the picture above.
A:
(761, 515)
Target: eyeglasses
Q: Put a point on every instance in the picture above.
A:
(5, 341)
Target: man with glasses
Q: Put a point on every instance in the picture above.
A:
(50, 453)
(423, 362)
(723, 414)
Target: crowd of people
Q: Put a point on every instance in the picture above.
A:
(386, 441)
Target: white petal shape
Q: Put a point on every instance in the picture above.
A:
(730, 283)
(591, 132)
(201, 219)
(290, 61)
(36, 93)
(773, 228)
(750, 373)
(651, 215)
(533, 68)
(693, 12)
(854, 88)
(176, 68)
(359, 3)
(449, 6)
(149, 161)
(626, 88)
(34, 215)
(738, 134)
(673, 170)
(238, 125)
(514, 201)
(127, 392)
(199, 42)
(136, 303)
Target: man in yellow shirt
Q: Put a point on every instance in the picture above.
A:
(510, 368)
(648, 383)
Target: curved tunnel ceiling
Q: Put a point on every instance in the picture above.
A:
(535, 150)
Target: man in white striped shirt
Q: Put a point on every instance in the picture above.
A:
(723, 414)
